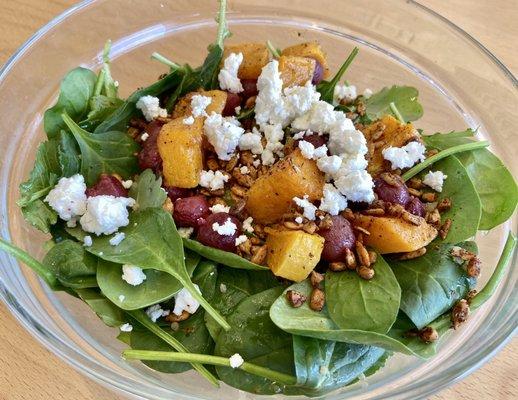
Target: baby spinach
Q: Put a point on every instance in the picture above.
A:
(76, 89)
(404, 99)
(111, 152)
(258, 341)
(222, 257)
(158, 286)
(72, 265)
(232, 287)
(68, 154)
(108, 312)
(147, 191)
(151, 242)
(356, 303)
(494, 183)
(431, 284)
(327, 88)
(40, 215)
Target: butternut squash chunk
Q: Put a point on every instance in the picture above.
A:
(293, 254)
(183, 107)
(296, 71)
(271, 196)
(394, 235)
(310, 50)
(255, 57)
(395, 134)
(180, 147)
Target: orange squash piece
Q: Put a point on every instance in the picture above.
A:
(255, 57)
(309, 50)
(296, 71)
(183, 106)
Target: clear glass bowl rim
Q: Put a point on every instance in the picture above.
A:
(47, 338)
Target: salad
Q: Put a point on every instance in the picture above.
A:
(258, 220)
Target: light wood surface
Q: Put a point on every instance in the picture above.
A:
(29, 371)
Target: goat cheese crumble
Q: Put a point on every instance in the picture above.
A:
(309, 209)
(244, 170)
(329, 164)
(227, 77)
(144, 136)
(356, 186)
(105, 214)
(184, 301)
(236, 360)
(435, 180)
(367, 93)
(333, 201)
(247, 225)
(68, 197)
(213, 180)
(127, 184)
(188, 121)
(126, 327)
(227, 229)
(406, 156)
(87, 240)
(251, 141)
(217, 208)
(150, 107)
(223, 133)
(117, 238)
(198, 105)
(154, 312)
(299, 220)
(133, 274)
(344, 92)
(241, 239)
(185, 232)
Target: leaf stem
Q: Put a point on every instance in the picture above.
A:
(222, 23)
(396, 112)
(443, 154)
(164, 60)
(344, 67)
(275, 52)
(211, 360)
(142, 318)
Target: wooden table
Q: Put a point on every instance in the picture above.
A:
(29, 371)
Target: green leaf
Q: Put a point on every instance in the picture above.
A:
(327, 88)
(494, 183)
(431, 284)
(68, 154)
(39, 215)
(258, 341)
(75, 91)
(147, 190)
(101, 107)
(109, 313)
(356, 303)
(110, 152)
(222, 257)
(190, 82)
(404, 99)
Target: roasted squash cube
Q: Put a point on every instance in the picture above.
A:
(296, 71)
(394, 134)
(180, 147)
(255, 57)
(183, 106)
(310, 50)
(293, 254)
(395, 235)
(271, 196)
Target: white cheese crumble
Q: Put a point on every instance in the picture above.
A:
(184, 301)
(241, 239)
(299, 220)
(256, 163)
(356, 186)
(333, 201)
(406, 156)
(367, 93)
(117, 238)
(309, 151)
(127, 184)
(236, 361)
(218, 208)
(227, 77)
(133, 274)
(188, 121)
(185, 232)
(150, 107)
(122, 298)
(307, 206)
(198, 105)
(251, 141)
(222, 288)
(227, 229)
(105, 214)
(344, 92)
(126, 327)
(435, 180)
(223, 133)
(329, 164)
(244, 170)
(154, 312)
(247, 225)
(213, 180)
(72, 223)
(144, 136)
(68, 197)
(87, 240)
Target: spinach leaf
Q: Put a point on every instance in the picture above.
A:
(431, 284)
(109, 313)
(101, 107)
(232, 287)
(222, 257)
(68, 154)
(111, 152)
(258, 341)
(40, 215)
(404, 99)
(75, 92)
(158, 286)
(151, 242)
(147, 191)
(190, 82)
(356, 303)
(466, 207)
(327, 88)
(210, 68)
(72, 265)
(494, 183)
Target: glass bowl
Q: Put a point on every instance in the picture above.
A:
(461, 85)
